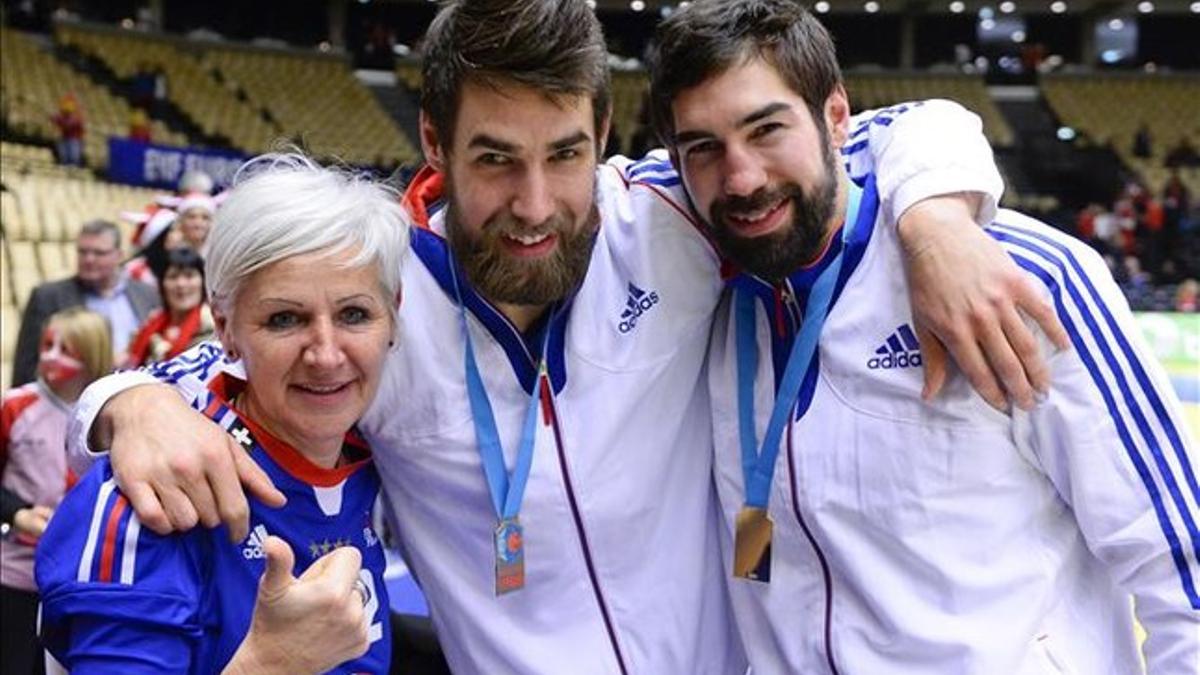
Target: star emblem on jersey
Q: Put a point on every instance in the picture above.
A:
(637, 303)
(319, 548)
(900, 350)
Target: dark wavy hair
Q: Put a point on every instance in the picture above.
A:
(554, 46)
(708, 37)
(183, 259)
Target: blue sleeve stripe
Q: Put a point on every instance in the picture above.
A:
(848, 150)
(663, 181)
(206, 357)
(666, 172)
(649, 165)
(1143, 471)
(1111, 403)
(883, 117)
(1143, 380)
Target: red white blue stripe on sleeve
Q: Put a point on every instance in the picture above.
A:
(110, 552)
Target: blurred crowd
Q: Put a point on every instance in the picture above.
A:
(1151, 243)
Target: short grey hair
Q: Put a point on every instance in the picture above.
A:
(100, 226)
(284, 205)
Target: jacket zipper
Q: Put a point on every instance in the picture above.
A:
(583, 540)
(788, 296)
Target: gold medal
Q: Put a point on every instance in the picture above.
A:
(752, 545)
(510, 556)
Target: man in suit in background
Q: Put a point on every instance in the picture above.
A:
(97, 284)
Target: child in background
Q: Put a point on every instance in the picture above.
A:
(76, 349)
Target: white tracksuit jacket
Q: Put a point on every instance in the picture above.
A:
(947, 537)
(623, 568)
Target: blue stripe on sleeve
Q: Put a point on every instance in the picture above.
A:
(1111, 403)
(208, 356)
(1143, 471)
(848, 150)
(661, 181)
(649, 165)
(1135, 364)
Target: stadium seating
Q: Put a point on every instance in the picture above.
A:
(256, 96)
(1166, 104)
(41, 209)
(344, 121)
(875, 90)
(214, 107)
(34, 81)
(629, 89)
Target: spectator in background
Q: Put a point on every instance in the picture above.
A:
(1107, 231)
(195, 182)
(1149, 234)
(1134, 276)
(195, 219)
(155, 235)
(1085, 223)
(139, 126)
(142, 86)
(160, 89)
(1176, 200)
(184, 320)
(1142, 143)
(1187, 296)
(70, 123)
(1125, 211)
(98, 284)
(1182, 155)
(76, 348)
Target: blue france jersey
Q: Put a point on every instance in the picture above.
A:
(119, 598)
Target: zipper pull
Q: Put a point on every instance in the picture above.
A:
(780, 327)
(547, 408)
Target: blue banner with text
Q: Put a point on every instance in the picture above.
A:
(161, 165)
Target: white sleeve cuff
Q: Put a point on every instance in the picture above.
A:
(934, 182)
(79, 455)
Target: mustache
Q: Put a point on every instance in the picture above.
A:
(756, 201)
(507, 224)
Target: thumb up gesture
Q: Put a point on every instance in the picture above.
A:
(307, 624)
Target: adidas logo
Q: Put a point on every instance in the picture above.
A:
(253, 549)
(901, 350)
(638, 303)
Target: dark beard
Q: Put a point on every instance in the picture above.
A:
(503, 278)
(774, 256)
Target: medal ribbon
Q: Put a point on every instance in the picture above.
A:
(758, 466)
(507, 491)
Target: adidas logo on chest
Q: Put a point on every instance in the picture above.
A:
(637, 303)
(899, 350)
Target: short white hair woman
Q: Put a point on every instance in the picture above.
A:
(304, 277)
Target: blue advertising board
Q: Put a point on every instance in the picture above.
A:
(161, 165)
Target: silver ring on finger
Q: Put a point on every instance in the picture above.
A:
(363, 592)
